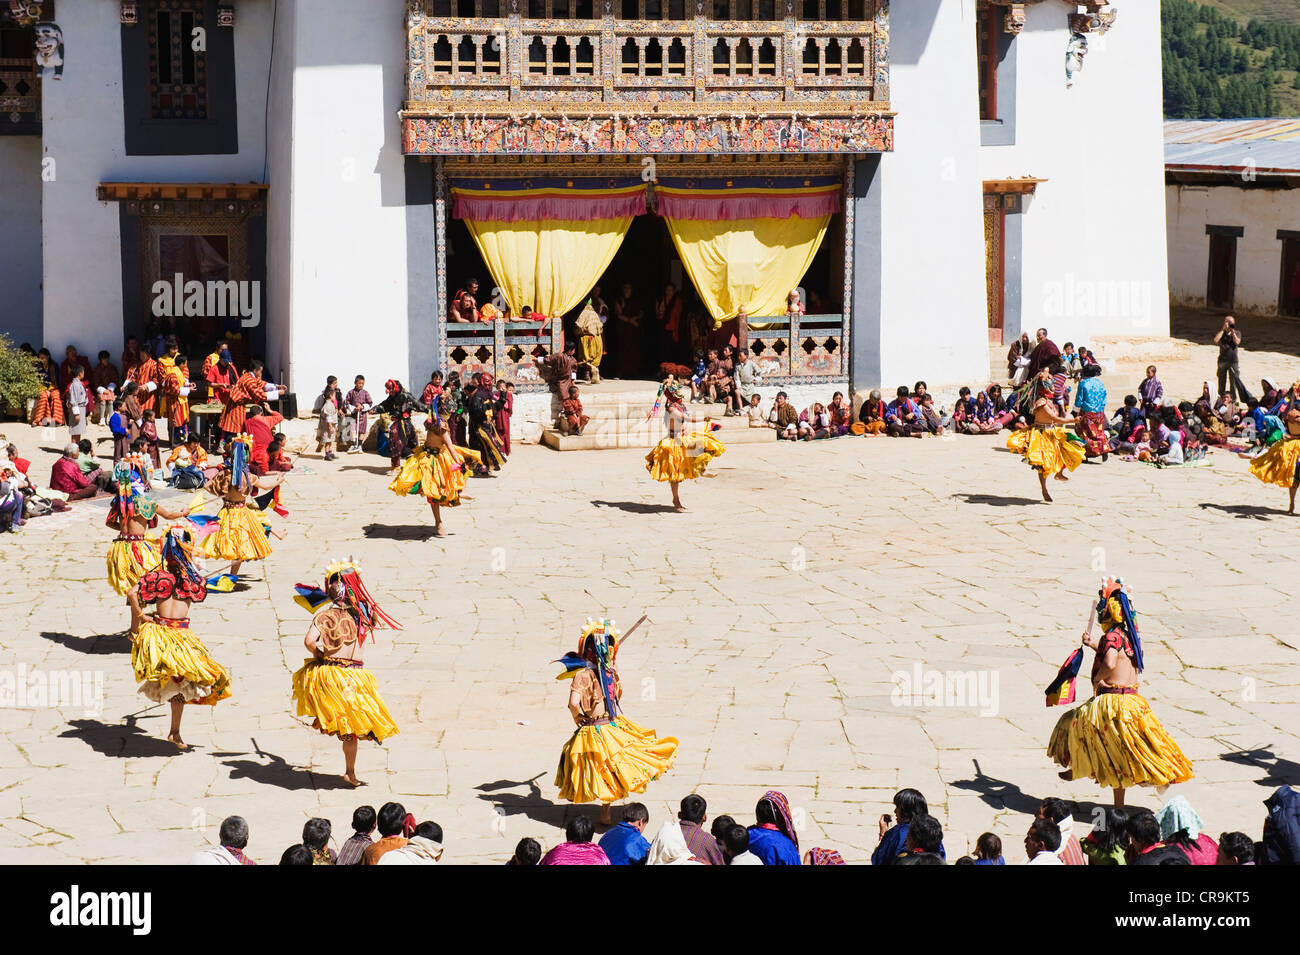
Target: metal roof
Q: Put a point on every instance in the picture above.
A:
(1271, 145)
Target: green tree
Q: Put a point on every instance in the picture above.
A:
(18, 379)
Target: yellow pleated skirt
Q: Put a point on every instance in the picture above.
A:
(171, 661)
(1278, 464)
(240, 535)
(605, 763)
(342, 701)
(128, 561)
(434, 476)
(683, 458)
(1116, 740)
(1049, 451)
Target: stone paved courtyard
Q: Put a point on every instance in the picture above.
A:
(781, 607)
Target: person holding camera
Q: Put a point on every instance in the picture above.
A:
(1229, 340)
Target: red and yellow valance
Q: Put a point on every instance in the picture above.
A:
(532, 200)
(748, 197)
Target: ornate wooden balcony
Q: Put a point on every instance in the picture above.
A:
(640, 76)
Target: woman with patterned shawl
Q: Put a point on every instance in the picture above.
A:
(1280, 464)
(436, 471)
(334, 687)
(132, 515)
(608, 756)
(772, 837)
(1114, 737)
(171, 664)
(241, 534)
(1045, 445)
(680, 456)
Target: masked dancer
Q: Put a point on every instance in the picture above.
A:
(1045, 445)
(681, 456)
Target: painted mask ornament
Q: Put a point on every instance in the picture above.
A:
(49, 49)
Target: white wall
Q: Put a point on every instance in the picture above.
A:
(20, 238)
(1260, 213)
(1094, 259)
(933, 313)
(83, 132)
(344, 229)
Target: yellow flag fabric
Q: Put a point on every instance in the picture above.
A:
(548, 265)
(747, 263)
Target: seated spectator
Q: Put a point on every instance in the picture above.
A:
(964, 409)
(316, 837)
(1146, 847)
(66, 476)
(924, 836)
(691, 815)
(1282, 828)
(577, 849)
(908, 804)
(232, 840)
(1042, 842)
(784, 418)
(816, 856)
(12, 498)
(988, 850)
(277, 460)
(932, 420)
(1180, 826)
(1058, 811)
(841, 415)
(86, 457)
(921, 858)
(872, 414)
(983, 416)
(423, 848)
(669, 847)
(903, 416)
(390, 821)
(363, 824)
(625, 844)
(814, 422)
(772, 837)
(527, 852)
(1236, 848)
(735, 841)
(572, 420)
(297, 855)
(754, 414)
(1108, 841)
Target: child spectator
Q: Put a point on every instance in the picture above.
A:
(572, 420)
(327, 418)
(104, 382)
(505, 408)
(1151, 390)
(754, 414)
(121, 433)
(356, 410)
(527, 852)
(149, 432)
(988, 850)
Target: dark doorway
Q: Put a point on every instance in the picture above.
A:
(1289, 295)
(1221, 283)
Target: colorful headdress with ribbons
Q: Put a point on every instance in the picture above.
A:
(356, 599)
(128, 502)
(237, 458)
(1115, 612)
(177, 548)
(597, 650)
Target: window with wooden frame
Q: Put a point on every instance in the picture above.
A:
(988, 34)
(178, 72)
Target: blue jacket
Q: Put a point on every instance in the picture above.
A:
(773, 847)
(625, 845)
(1282, 828)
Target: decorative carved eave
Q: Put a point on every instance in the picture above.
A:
(210, 199)
(1025, 186)
(1094, 20)
(120, 191)
(25, 13)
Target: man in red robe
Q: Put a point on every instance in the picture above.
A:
(249, 389)
(146, 376)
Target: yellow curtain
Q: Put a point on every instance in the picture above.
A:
(548, 265)
(747, 263)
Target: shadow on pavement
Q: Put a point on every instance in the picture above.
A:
(399, 532)
(98, 644)
(1245, 510)
(126, 741)
(532, 804)
(636, 507)
(277, 771)
(995, 500)
(1278, 771)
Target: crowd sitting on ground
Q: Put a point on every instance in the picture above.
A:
(1173, 835)
(150, 393)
